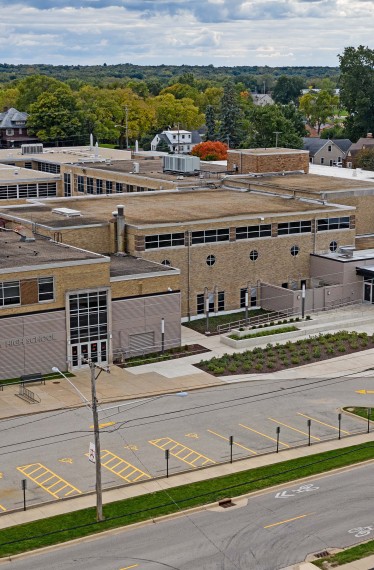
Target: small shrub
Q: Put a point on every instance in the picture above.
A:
(270, 364)
(297, 319)
(330, 350)
(295, 360)
(272, 323)
(232, 367)
(219, 370)
(241, 329)
(317, 353)
(354, 345)
(307, 356)
(247, 366)
(308, 317)
(341, 348)
(259, 365)
(284, 321)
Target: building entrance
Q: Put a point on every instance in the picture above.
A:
(369, 290)
(89, 351)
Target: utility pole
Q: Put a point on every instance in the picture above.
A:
(127, 126)
(277, 133)
(99, 491)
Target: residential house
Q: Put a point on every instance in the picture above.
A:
(330, 152)
(13, 129)
(178, 141)
(361, 144)
(262, 99)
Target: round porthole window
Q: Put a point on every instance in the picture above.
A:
(253, 255)
(295, 250)
(333, 246)
(165, 262)
(210, 260)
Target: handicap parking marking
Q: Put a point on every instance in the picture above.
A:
(176, 449)
(122, 468)
(264, 435)
(234, 443)
(66, 460)
(41, 475)
(323, 423)
(294, 429)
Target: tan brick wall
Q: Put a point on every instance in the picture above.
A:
(271, 162)
(364, 212)
(66, 279)
(145, 286)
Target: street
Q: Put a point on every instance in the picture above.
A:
(267, 532)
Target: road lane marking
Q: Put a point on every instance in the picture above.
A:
(264, 435)
(177, 449)
(294, 429)
(289, 520)
(36, 471)
(121, 468)
(128, 567)
(322, 423)
(102, 426)
(2, 508)
(234, 443)
(364, 391)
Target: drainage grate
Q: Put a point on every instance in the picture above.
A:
(226, 503)
(322, 554)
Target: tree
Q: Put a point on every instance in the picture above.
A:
(162, 146)
(8, 98)
(357, 90)
(294, 115)
(56, 117)
(365, 158)
(230, 116)
(318, 107)
(288, 89)
(31, 88)
(171, 111)
(210, 121)
(264, 122)
(210, 150)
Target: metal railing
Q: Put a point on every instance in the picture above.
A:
(28, 395)
(257, 320)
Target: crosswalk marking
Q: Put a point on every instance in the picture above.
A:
(176, 449)
(41, 475)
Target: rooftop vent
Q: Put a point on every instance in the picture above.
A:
(36, 148)
(67, 212)
(347, 251)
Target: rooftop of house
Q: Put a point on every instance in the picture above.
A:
(122, 265)
(15, 175)
(15, 253)
(67, 155)
(165, 207)
(314, 144)
(12, 118)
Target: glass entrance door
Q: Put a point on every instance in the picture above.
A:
(369, 290)
(89, 351)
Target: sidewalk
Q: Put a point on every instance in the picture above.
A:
(363, 564)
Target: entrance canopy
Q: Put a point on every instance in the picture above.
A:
(366, 271)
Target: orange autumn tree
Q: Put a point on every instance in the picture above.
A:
(210, 150)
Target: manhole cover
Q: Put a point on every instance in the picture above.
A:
(322, 554)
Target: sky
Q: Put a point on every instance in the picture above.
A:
(192, 32)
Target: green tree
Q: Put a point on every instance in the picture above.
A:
(293, 114)
(210, 122)
(365, 158)
(288, 89)
(171, 111)
(31, 88)
(163, 146)
(8, 98)
(357, 90)
(318, 107)
(264, 123)
(230, 115)
(55, 117)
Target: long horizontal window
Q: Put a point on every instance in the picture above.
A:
(210, 236)
(250, 232)
(164, 240)
(32, 190)
(333, 224)
(300, 227)
(9, 293)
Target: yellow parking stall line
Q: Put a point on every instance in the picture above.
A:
(127, 466)
(264, 435)
(69, 492)
(294, 429)
(227, 439)
(45, 481)
(199, 456)
(25, 470)
(323, 423)
(2, 508)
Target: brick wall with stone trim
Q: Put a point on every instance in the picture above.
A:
(255, 162)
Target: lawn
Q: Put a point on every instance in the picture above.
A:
(82, 523)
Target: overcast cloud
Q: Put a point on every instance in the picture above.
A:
(218, 32)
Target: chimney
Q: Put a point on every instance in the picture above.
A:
(120, 229)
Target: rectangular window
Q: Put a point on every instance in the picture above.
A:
(164, 240)
(9, 293)
(10, 132)
(90, 186)
(329, 148)
(301, 227)
(28, 165)
(328, 224)
(45, 289)
(210, 236)
(129, 188)
(200, 304)
(243, 291)
(67, 184)
(140, 189)
(322, 160)
(88, 316)
(108, 186)
(99, 186)
(80, 184)
(251, 232)
(221, 301)
(119, 187)
(47, 167)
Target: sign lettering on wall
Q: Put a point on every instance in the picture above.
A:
(25, 340)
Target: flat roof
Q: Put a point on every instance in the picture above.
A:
(126, 265)
(67, 155)
(15, 175)
(15, 253)
(164, 207)
(267, 151)
(358, 255)
(314, 183)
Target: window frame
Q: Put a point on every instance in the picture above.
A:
(47, 299)
(8, 285)
(253, 232)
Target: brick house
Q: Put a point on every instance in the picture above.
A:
(13, 129)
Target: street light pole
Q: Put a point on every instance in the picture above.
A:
(246, 302)
(207, 314)
(276, 137)
(303, 301)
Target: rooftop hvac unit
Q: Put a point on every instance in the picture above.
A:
(36, 148)
(67, 212)
(178, 163)
(347, 251)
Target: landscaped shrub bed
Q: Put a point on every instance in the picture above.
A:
(288, 355)
(264, 333)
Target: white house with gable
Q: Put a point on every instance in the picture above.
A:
(180, 142)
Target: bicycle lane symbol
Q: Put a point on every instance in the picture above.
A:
(361, 531)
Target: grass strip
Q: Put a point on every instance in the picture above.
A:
(61, 528)
(362, 412)
(350, 555)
